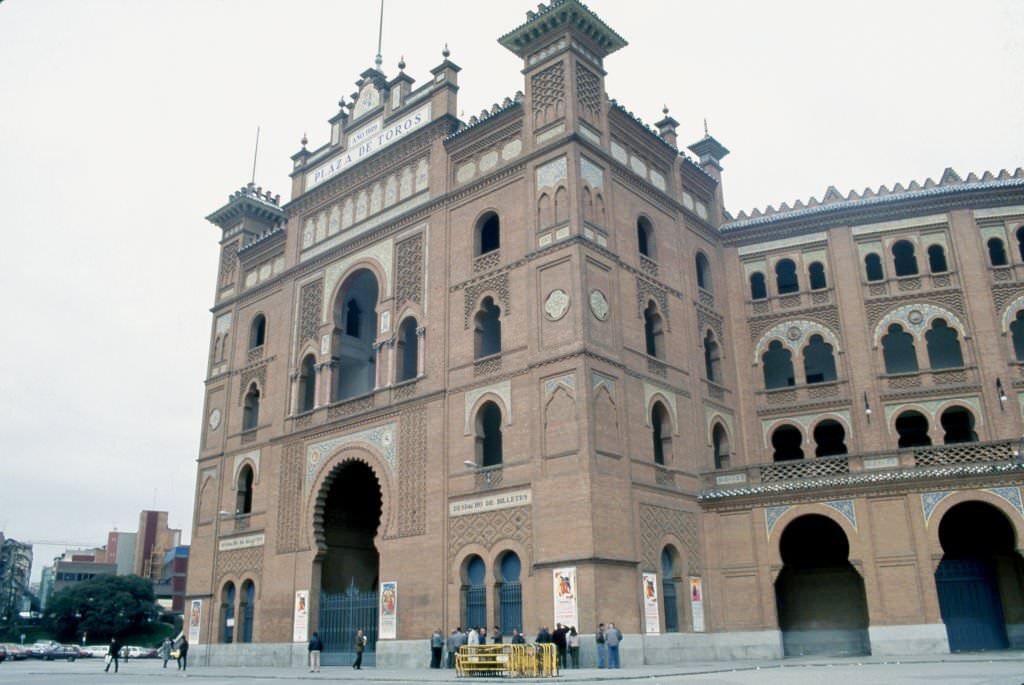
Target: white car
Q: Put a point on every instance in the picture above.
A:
(98, 651)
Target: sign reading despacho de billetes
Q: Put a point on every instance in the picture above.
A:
(368, 140)
(242, 542)
(477, 505)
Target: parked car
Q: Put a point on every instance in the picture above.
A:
(41, 648)
(135, 652)
(98, 651)
(69, 652)
(3, 654)
(15, 652)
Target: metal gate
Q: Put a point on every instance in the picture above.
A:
(970, 605)
(671, 599)
(511, 599)
(476, 607)
(341, 615)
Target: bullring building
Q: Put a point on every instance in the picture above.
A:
(525, 368)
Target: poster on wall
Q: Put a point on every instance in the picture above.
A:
(195, 614)
(565, 596)
(300, 624)
(697, 604)
(652, 619)
(388, 611)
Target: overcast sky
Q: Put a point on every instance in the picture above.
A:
(124, 123)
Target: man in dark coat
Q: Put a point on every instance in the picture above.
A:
(113, 654)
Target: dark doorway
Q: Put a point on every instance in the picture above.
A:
(820, 597)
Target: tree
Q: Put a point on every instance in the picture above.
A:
(102, 607)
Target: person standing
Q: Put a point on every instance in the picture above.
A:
(496, 638)
(558, 637)
(165, 650)
(113, 655)
(612, 637)
(360, 646)
(316, 646)
(573, 642)
(601, 647)
(453, 645)
(517, 637)
(436, 646)
(473, 637)
(183, 654)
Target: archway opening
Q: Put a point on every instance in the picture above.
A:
(958, 426)
(787, 441)
(980, 580)
(912, 428)
(829, 439)
(510, 593)
(474, 593)
(355, 330)
(820, 597)
(670, 579)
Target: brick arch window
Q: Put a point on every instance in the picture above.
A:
(904, 259)
(257, 331)
(816, 273)
(408, 350)
(937, 259)
(487, 328)
(227, 613)
(898, 351)
(487, 236)
(912, 429)
(645, 238)
(661, 433)
(488, 435)
(247, 606)
(786, 281)
(1017, 336)
(996, 252)
(671, 577)
(251, 408)
(758, 289)
(873, 268)
(787, 443)
(307, 384)
(474, 592)
(353, 336)
(819, 362)
(712, 359)
(1020, 242)
(829, 439)
(777, 364)
(654, 333)
(943, 346)
(510, 592)
(957, 425)
(703, 271)
(720, 446)
(243, 491)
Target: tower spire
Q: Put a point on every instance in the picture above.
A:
(379, 59)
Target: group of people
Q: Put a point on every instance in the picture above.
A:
(459, 637)
(607, 638)
(316, 646)
(113, 657)
(567, 643)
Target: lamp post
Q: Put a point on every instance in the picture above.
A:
(1001, 394)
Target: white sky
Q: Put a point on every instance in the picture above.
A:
(124, 123)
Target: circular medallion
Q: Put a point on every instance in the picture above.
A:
(214, 419)
(915, 317)
(793, 333)
(599, 305)
(557, 304)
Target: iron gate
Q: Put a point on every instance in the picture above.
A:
(511, 600)
(970, 605)
(341, 615)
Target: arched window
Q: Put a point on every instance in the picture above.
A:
(937, 259)
(243, 496)
(997, 252)
(645, 238)
(819, 363)
(912, 428)
(1020, 242)
(227, 613)
(758, 289)
(958, 424)
(488, 329)
(353, 319)
(720, 446)
(248, 606)
(1017, 335)
(488, 435)
(488, 234)
(354, 334)
(817, 276)
(474, 593)
(904, 259)
(670, 577)
(829, 439)
(510, 593)
(787, 441)
(408, 350)
(703, 272)
(943, 346)
(251, 409)
(898, 351)
(785, 277)
(257, 331)
(778, 366)
(654, 336)
(712, 359)
(873, 267)
(307, 384)
(661, 433)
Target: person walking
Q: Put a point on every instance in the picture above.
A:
(183, 654)
(612, 637)
(316, 646)
(113, 655)
(436, 646)
(165, 650)
(573, 642)
(602, 651)
(360, 646)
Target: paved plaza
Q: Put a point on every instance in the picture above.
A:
(1005, 668)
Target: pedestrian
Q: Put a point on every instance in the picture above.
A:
(543, 636)
(473, 638)
(612, 637)
(517, 637)
(601, 648)
(558, 637)
(573, 641)
(183, 654)
(453, 645)
(436, 646)
(113, 655)
(496, 636)
(360, 646)
(316, 646)
(165, 650)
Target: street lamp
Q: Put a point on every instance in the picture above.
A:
(1000, 393)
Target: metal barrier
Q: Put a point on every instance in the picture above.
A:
(508, 661)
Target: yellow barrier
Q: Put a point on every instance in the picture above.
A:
(507, 660)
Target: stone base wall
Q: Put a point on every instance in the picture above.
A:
(926, 638)
(250, 654)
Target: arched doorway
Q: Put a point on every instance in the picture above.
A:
(349, 562)
(820, 597)
(980, 580)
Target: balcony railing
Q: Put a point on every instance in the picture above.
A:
(909, 464)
